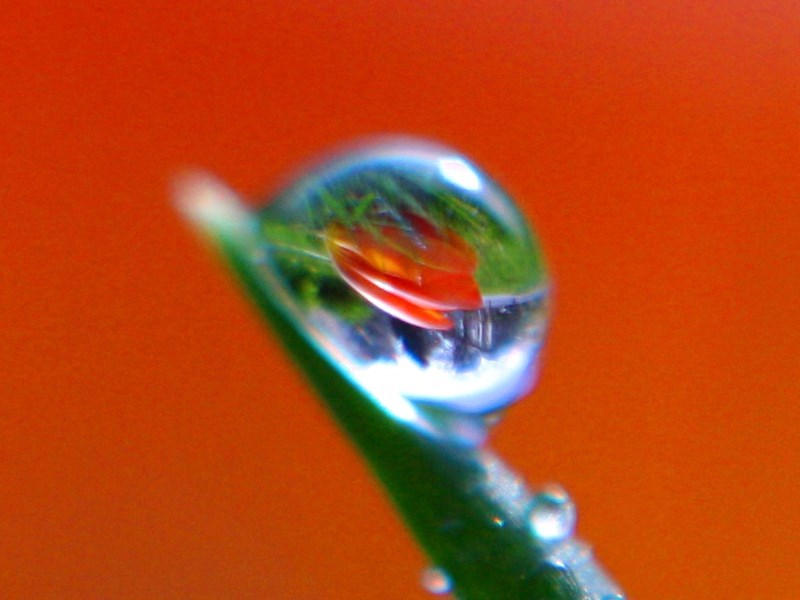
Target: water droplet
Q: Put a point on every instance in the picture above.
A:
(552, 514)
(577, 557)
(436, 581)
(414, 273)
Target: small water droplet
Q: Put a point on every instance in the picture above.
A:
(552, 514)
(436, 581)
(577, 557)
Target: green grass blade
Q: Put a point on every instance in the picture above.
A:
(464, 506)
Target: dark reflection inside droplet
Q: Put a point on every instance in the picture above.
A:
(476, 334)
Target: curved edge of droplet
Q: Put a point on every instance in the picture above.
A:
(217, 212)
(386, 145)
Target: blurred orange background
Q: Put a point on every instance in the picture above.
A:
(156, 443)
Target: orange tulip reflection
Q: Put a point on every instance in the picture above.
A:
(415, 274)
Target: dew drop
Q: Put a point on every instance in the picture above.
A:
(577, 557)
(552, 514)
(415, 274)
(436, 581)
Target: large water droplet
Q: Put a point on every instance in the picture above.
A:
(414, 270)
(409, 268)
(436, 581)
(552, 514)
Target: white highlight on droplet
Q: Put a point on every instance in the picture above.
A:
(460, 173)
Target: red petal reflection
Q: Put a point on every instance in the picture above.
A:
(413, 275)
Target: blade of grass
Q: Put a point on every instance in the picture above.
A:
(464, 506)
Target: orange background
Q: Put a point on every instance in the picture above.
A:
(156, 443)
